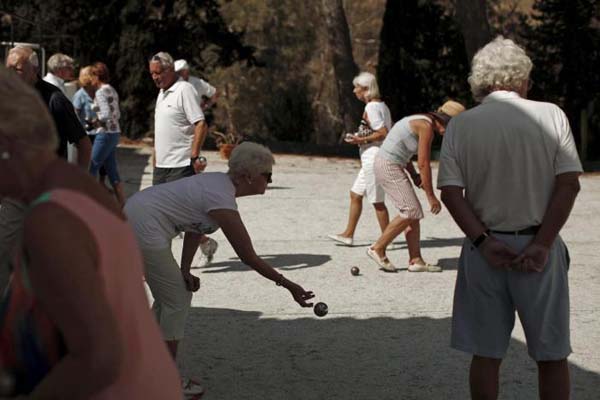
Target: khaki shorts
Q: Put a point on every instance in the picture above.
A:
(486, 299)
(172, 300)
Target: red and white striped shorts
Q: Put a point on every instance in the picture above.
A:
(394, 180)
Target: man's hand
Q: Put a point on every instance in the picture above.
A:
(533, 258)
(497, 253)
(198, 164)
(192, 283)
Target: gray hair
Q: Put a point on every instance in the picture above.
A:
(499, 65)
(164, 58)
(368, 81)
(25, 118)
(250, 158)
(28, 53)
(58, 61)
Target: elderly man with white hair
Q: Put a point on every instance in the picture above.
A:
(509, 176)
(24, 62)
(60, 69)
(204, 89)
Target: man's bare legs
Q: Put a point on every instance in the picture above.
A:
(483, 378)
(553, 380)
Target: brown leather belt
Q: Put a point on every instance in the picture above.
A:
(531, 230)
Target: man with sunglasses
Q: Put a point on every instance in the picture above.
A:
(179, 133)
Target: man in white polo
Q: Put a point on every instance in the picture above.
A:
(204, 89)
(179, 133)
(509, 176)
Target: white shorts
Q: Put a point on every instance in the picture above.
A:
(364, 184)
(172, 300)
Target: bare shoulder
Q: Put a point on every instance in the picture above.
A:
(421, 125)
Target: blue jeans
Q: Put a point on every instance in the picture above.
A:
(104, 153)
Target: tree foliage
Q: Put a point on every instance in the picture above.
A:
(422, 57)
(564, 42)
(125, 33)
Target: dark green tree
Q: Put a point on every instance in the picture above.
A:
(125, 34)
(564, 42)
(422, 57)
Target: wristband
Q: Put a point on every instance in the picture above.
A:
(481, 238)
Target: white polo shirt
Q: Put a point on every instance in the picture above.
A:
(202, 87)
(177, 111)
(506, 153)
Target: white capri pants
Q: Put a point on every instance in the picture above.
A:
(364, 184)
(172, 300)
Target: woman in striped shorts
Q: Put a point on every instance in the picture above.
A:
(409, 136)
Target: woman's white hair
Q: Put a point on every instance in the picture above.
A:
(25, 118)
(250, 158)
(368, 81)
(499, 65)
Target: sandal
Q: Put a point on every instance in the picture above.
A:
(383, 263)
(422, 266)
(191, 389)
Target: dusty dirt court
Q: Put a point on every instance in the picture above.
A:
(386, 335)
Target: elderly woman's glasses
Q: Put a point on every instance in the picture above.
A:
(267, 176)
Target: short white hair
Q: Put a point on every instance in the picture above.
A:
(368, 81)
(58, 61)
(25, 118)
(250, 158)
(28, 54)
(164, 58)
(499, 65)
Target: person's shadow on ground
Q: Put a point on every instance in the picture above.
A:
(284, 262)
(240, 355)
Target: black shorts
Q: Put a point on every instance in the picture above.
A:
(164, 175)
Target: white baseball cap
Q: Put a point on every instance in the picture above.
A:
(181, 64)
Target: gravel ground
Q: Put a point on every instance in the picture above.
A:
(386, 335)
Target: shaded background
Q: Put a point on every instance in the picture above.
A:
(284, 68)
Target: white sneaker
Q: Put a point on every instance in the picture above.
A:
(191, 389)
(209, 248)
(348, 241)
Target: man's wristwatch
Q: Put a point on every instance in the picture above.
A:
(481, 238)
